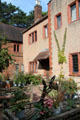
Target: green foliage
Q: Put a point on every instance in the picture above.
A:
(19, 101)
(25, 79)
(69, 86)
(1, 78)
(61, 56)
(10, 14)
(5, 58)
(34, 79)
(44, 13)
(30, 19)
(20, 78)
(71, 104)
(57, 42)
(13, 15)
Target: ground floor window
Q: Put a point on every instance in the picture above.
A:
(74, 64)
(17, 68)
(33, 67)
(22, 68)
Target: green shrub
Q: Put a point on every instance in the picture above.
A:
(1, 78)
(24, 79)
(19, 79)
(34, 79)
(69, 86)
(18, 102)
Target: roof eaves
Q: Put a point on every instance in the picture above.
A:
(43, 18)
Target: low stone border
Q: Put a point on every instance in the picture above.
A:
(9, 115)
(73, 114)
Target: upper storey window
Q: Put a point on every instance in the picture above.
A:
(33, 37)
(16, 47)
(73, 12)
(46, 31)
(58, 21)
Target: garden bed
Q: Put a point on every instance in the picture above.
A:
(73, 114)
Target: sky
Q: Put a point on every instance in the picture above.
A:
(27, 5)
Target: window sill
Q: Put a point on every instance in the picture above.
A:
(58, 28)
(75, 74)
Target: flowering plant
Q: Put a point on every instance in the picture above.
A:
(45, 109)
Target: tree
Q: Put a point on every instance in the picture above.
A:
(5, 57)
(13, 15)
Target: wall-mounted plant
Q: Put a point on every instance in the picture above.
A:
(61, 51)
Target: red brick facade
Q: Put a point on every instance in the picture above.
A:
(18, 59)
(50, 39)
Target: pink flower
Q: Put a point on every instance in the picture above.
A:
(42, 113)
(48, 103)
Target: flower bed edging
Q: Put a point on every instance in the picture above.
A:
(73, 114)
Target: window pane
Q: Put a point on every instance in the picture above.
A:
(17, 68)
(33, 67)
(17, 48)
(32, 37)
(73, 12)
(59, 21)
(79, 8)
(14, 48)
(75, 63)
(36, 67)
(35, 35)
(46, 31)
(22, 68)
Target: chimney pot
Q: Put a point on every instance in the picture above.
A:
(37, 12)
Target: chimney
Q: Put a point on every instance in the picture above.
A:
(37, 11)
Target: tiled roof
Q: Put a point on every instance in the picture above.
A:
(11, 33)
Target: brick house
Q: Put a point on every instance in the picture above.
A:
(65, 14)
(15, 47)
(36, 45)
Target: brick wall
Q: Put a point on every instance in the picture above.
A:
(17, 56)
